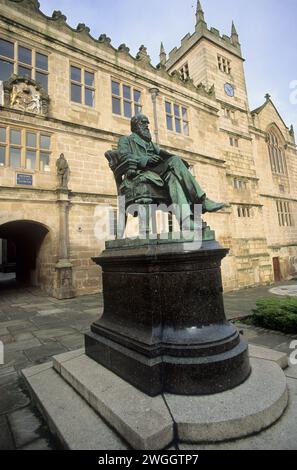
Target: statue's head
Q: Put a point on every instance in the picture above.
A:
(62, 155)
(140, 125)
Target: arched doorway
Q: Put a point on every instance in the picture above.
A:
(27, 237)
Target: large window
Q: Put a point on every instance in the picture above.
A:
(244, 211)
(276, 154)
(18, 59)
(184, 71)
(82, 86)
(177, 118)
(126, 100)
(21, 148)
(285, 218)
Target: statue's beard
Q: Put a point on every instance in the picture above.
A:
(145, 134)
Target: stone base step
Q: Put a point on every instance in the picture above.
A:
(69, 417)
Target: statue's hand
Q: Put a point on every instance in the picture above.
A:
(155, 160)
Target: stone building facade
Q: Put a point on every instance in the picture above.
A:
(63, 91)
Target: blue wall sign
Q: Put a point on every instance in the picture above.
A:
(24, 180)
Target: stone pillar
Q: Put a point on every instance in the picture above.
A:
(154, 93)
(63, 286)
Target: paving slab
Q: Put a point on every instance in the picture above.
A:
(44, 352)
(12, 397)
(62, 406)
(25, 426)
(72, 341)
(271, 340)
(53, 332)
(21, 345)
(6, 441)
(40, 444)
(291, 372)
(143, 421)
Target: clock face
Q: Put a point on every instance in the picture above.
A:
(229, 89)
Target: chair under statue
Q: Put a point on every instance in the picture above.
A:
(141, 197)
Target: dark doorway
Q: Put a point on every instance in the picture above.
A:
(277, 270)
(23, 241)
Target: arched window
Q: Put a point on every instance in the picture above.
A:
(276, 154)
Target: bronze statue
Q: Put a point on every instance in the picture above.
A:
(162, 169)
(62, 171)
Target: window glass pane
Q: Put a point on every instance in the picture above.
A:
(137, 96)
(2, 134)
(169, 123)
(75, 93)
(75, 74)
(137, 109)
(2, 156)
(24, 71)
(15, 136)
(45, 142)
(116, 105)
(185, 114)
(89, 97)
(15, 157)
(177, 126)
(31, 139)
(127, 92)
(115, 88)
(89, 79)
(44, 162)
(6, 70)
(186, 128)
(7, 49)
(127, 109)
(41, 61)
(176, 110)
(25, 55)
(42, 78)
(30, 159)
(168, 107)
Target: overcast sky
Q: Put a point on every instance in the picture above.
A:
(267, 32)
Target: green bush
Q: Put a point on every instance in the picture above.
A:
(276, 314)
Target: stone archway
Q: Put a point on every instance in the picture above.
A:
(28, 237)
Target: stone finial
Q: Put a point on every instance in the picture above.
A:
(105, 39)
(82, 28)
(163, 56)
(267, 97)
(292, 132)
(199, 14)
(58, 16)
(234, 35)
(143, 55)
(123, 48)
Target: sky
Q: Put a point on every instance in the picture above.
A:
(267, 33)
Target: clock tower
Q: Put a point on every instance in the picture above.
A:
(212, 59)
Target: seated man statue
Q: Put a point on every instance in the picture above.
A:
(161, 168)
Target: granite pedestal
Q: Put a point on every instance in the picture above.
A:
(164, 327)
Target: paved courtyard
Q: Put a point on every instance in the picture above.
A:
(35, 327)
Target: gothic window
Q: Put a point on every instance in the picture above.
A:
(285, 218)
(276, 154)
(126, 100)
(21, 60)
(26, 149)
(239, 184)
(184, 71)
(82, 86)
(224, 64)
(177, 118)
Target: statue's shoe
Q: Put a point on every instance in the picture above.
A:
(211, 206)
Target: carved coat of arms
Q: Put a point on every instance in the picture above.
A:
(25, 94)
